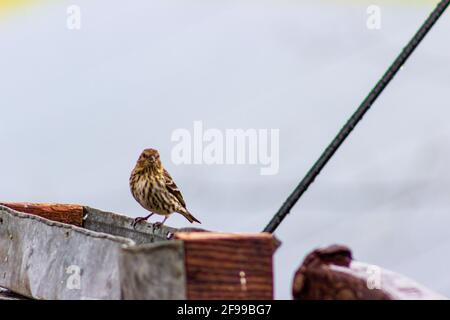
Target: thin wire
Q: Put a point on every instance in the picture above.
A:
(356, 117)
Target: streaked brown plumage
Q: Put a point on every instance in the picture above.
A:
(154, 189)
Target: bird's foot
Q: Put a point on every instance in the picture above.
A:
(157, 225)
(140, 219)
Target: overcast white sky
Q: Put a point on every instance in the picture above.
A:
(78, 107)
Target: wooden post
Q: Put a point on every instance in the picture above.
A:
(228, 266)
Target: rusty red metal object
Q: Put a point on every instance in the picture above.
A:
(331, 274)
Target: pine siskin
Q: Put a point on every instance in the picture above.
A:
(153, 187)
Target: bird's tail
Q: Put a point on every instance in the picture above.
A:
(189, 216)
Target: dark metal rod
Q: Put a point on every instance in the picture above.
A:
(356, 117)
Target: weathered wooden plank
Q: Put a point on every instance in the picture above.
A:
(119, 225)
(44, 259)
(153, 272)
(225, 236)
(228, 266)
(65, 213)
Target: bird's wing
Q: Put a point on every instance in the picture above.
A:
(172, 188)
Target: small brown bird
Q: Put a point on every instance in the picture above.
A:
(153, 187)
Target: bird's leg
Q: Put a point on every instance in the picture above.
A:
(139, 219)
(158, 225)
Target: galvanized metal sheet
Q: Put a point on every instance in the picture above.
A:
(43, 259)
(153, 272)
(118, 225)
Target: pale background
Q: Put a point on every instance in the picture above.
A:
(77, 107)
